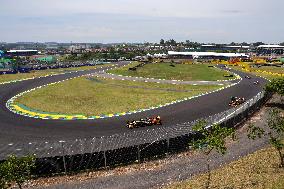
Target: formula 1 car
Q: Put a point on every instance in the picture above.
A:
(144, 122)
(235, 101)
(256, 82)
(228, 75)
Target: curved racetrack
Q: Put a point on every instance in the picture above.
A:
(16, 128)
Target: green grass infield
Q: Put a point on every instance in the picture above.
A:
(186, 72)
(92, 96)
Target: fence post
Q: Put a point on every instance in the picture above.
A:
(139, 154)
(105, 159)
(168, 146)
(63, 156)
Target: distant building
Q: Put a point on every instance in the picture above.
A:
(43, 58)
(1, 54)
(12, 53)
(230, 48)
(211, 55)
(51, 45)
(270, 50)
(79, 47)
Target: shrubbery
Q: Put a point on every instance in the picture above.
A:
(16, 171)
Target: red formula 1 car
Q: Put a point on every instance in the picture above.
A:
(236, 101)
(144, 122)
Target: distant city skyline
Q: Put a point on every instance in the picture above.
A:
(118, 21)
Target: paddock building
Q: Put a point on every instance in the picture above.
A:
(270, 50)
(205, 55)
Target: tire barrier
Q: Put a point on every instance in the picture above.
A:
(120, 149)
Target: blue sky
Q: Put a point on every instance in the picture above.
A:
(220, 21)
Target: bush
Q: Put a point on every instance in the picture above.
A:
(276, 86)
(16, 170)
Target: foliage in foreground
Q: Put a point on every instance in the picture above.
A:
(213, 138)
(275, 123)
(16, 170)
(258, 170)
(276, 86)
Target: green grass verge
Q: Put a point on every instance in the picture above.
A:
(105, 96)
(255, 171)
(187, 72)
(39, 73)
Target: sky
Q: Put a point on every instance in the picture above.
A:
(116, 21)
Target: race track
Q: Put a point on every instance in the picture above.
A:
(16, 128)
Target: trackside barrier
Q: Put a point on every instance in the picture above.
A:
(120, 149)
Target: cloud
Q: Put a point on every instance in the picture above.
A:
(147, 20)
(232, 11)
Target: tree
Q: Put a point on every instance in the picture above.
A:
(149, 58)
(3, 183)
(276, 86)
(162, 42)
(16, 170)
(245, 44)
(187, 42)
(192, 44)
(173, 42)
(275, 123)
(211, 139)
(256, 44)
(233, 43)
(282, 44)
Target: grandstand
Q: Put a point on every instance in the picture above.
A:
(224, 48)
(270, 50)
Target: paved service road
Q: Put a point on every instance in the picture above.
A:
(16, 128)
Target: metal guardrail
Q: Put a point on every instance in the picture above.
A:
(81, 154)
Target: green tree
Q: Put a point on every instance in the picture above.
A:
(276, 86)
(256, 44)
(245, 44)
(150, 58)
(213, 138)
(162, 42)
(3, 183)
(16, 170)
(275, 123)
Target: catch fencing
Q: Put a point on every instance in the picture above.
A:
(137, 146)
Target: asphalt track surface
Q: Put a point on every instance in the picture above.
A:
(17, 128)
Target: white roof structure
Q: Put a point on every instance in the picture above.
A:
(14, 51)
(160, 55)
(198, 54)
(208, 45)
(270, 46)
(238, 46)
